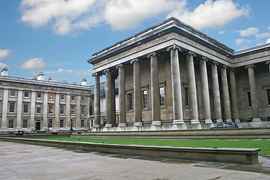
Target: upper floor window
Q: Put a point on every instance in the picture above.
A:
(12, 93)
(26, 107)
(83, 109)
(38, 95)
(50, 107)
(12, 107)
(26, 94)
(73, 109)
(130, 101)
(62, 97)
(268, 96)
(38, 108)
(73, 97)
(62, 109)
(162, 95)
(145, 96)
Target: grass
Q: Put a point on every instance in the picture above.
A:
(263, 144)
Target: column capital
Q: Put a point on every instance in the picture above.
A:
(250, 66)
(191, 53)
(174, 47)
(134, 61)
(267, 62)
(204, 58)
(107, 71)
(96, 74)
(119, 66)
(151, 54)
(223, 66)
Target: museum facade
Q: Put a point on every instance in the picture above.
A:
(172, 77)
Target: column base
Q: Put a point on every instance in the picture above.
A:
(208, 121)
(219, 121)
(179, 125)
(229, 120)
(156, 123)
(237, 121)
(196, 124)
(108, 125)
(138, 124)
(96, 126)
(121, 125)
(256, 120)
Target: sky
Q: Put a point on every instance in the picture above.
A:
(57, 37)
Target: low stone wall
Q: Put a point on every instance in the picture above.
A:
(230, 155)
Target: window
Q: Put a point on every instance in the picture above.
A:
(11, 123)
(51, 110)
(62, 109)
(249, 99)
(25, 107)
(268, 96)
(186, 96)
(11, 107)
(38, 108)
(39, 95)
(145, 98)
(72, 97)
(25, 123)
(130, 101)
(62, 97)
(162, 95)
(82, 123)
(82, 98)
(73, 109)
(91, 109)
(62, 122)
(26, 94)
(12, 93)
(51, 97)
(83, 109)
(50, 123)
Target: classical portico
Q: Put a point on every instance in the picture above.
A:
(168, 79)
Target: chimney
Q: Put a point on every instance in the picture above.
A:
(83, 82)
(4, 71)
(40, 76)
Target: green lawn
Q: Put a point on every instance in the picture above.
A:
(263, 144)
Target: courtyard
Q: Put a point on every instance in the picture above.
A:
(24, 162)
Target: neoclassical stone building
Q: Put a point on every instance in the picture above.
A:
(39, 104)
(172, 76)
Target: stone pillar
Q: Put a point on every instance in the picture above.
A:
(19, 109)
(88, 123)
(155, 91)
(137, 93)
(108, 98)
(226, 95)
(176, 88)
(33, 110)
(56, 124)
(5, 109)
(97, 101)
(122, 100)
(205, 92)
(68, 121)
(253, 93)
(45, 111)
(216, 93)
(193, 91)
(78, 112)
(235, 111)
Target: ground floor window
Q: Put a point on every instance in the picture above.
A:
(50, 123)
(82, 123)
(62, 122)
(10, 123)
(162, 95)
(25, 123)
(268, 96)
(249, 99)
(130, 101)
(145, 96)
(186, 98)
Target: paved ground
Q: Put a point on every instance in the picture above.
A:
(28, 162)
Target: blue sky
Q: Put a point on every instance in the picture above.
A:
(57, 37)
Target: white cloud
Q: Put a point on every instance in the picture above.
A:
(211, 13)
(2, 66)
(4, 53)
(267, 41)
(67, 16)
(251, 31)
(34, 64)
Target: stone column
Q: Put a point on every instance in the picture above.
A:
(19, 109)
(155, 91)
(176, 88)
(56, 111)
(193, 91)
(109, 99)
(205, 92)
(5, 108)
(137, 93)
(68, 121)
(234, 96)
(33, 110)
(97, 101)
(226, 95)
(122, 100)
(88, 113)
(45, 111)
(216, 93)
(253, 93)
(78, 112)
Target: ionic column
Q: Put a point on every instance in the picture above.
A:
(45, 111)
(226, 95)
(176, 87)
(78, 111)
(19, 109)
(193, 90)
(253, 93)
(97, 101)
(137, 93)
(122, 101)
(205, 92)
(234, 96)
(4, 109)
(109, 100)
(216, 93)
(155, 92)
(56, 124)
(68, 121)
(33, 110)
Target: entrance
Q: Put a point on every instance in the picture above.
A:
(38, 126)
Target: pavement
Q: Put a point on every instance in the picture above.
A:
(30, 162)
